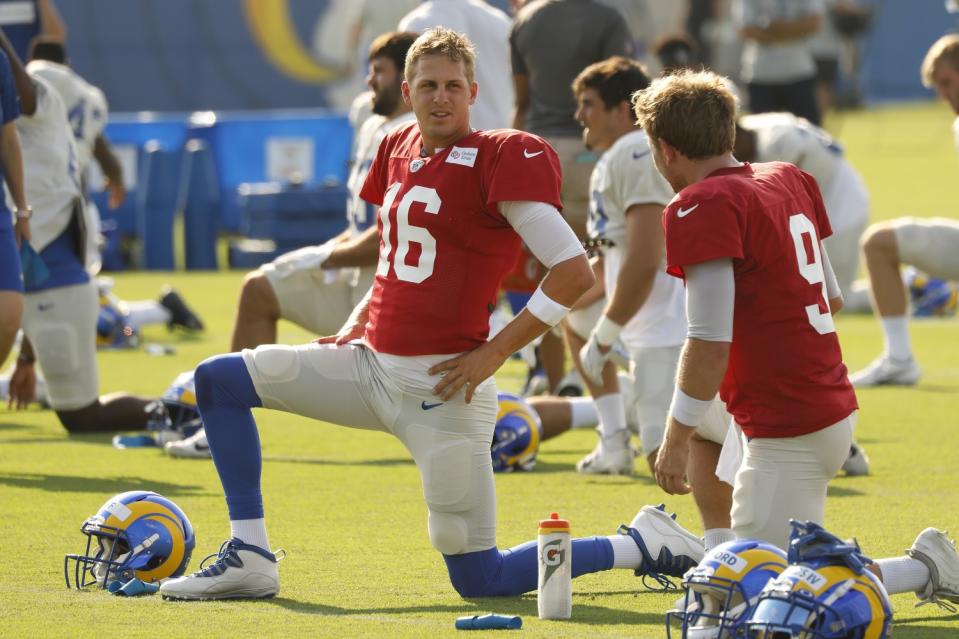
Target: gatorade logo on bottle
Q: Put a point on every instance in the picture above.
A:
(553, 557)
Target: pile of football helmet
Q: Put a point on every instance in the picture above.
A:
(820, 589)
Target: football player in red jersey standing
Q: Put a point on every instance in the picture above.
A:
(747, 239)
(413, 359)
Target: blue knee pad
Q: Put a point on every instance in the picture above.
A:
(491, 573)
(225, 394)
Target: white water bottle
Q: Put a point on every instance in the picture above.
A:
(554, 595)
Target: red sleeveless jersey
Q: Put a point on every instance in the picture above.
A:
(786, 376)
(444, 246)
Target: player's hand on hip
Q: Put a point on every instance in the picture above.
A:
(593, 358)
(671, 463)
(23, 386)
(467, 371)
(346, 335)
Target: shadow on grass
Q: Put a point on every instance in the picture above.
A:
(63, 437)
(543, 467)
(839, 491)
(583, 613)
(11, 426)
(82, 484)
(323, 461)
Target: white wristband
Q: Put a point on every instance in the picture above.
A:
(687, 410)
(546, 309)
(607, 331)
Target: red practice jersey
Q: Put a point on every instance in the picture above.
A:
(785, 376)
(444, 246)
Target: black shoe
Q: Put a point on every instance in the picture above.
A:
(180, 313)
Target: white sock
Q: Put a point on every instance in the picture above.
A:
(716, 536)
(895, 332)
(147, 312)
(625, 552)
(612, 414)
(250, 531)
(583, 412)
(903, 574)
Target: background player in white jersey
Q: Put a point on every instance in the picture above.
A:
(645, 306)
(87, 113)
(413, 360)
(488, 28)
(317, 287)
(784, 137)
(931, 245)
(59, 320)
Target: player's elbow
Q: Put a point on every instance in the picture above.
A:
(835, 304)
(577, 278)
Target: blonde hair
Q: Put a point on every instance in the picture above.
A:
(943, 50)
(446, 42)
(694, 111)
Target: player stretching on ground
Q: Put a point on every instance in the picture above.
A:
(316, 287)
(413, 359)
(931, 245)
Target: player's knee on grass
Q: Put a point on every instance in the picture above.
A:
(448, 532)
(84, 420)
(446, 486)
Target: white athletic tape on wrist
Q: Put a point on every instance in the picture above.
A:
(607, 331)
(546, 309)
(688, 410)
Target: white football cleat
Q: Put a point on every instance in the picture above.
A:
(886, 371)
(667, 548)
(571, 385)
(195, 446)
(241, 571)
(612, 456)
(857, 462)
(933, 548)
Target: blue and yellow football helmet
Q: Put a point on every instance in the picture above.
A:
(930, 296)
(175, 415)
(825, 593)
(516, 436)
(722, 589)
(134, 534)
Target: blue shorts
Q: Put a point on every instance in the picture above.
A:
(10, 277)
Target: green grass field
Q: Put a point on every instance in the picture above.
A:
(347, 505)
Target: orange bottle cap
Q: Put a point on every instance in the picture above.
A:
(554, 522)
